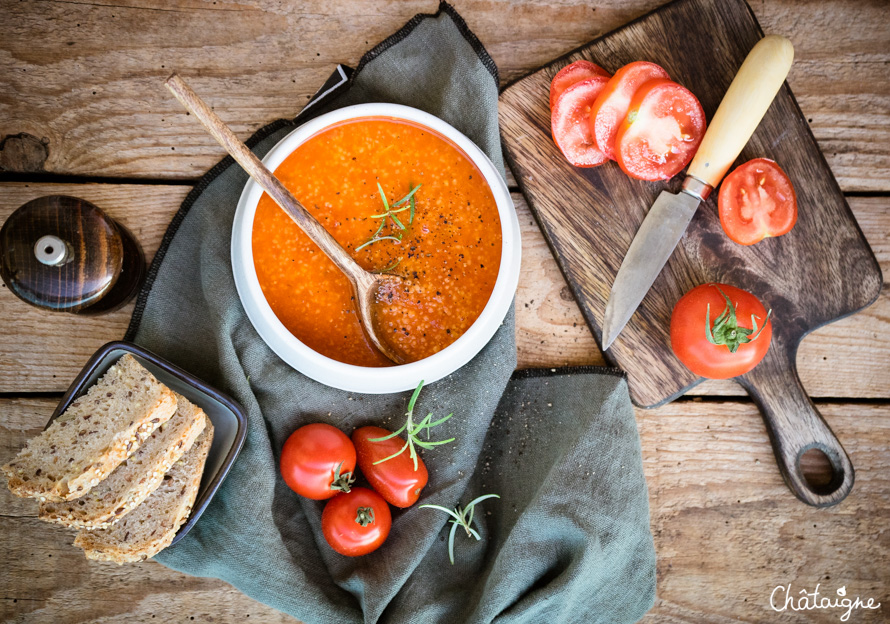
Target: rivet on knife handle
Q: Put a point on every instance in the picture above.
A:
(746, 101)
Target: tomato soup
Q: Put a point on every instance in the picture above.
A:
(444, 240)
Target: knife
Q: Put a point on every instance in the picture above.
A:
(746, 101)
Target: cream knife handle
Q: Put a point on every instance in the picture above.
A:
(746, 101)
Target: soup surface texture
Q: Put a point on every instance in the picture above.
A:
(448, 252)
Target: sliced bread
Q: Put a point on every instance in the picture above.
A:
(94, 435)
(131, 482)
(151, 526)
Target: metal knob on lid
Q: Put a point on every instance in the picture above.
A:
(65, 254)
(51, 250)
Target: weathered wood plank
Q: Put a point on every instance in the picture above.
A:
(727, 532)
(713, 487)
(42, 351)
(87, 77)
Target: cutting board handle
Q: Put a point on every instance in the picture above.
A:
(795, 426)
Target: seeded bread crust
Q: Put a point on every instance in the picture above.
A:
(136, 478)
(150, 528)
(94, 435)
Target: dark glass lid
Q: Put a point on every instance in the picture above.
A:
(60, 253)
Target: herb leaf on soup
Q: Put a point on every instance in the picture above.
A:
(390, 210)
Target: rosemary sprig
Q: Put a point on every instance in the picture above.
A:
(413, 432)
(389, 268)
(461, 518)
(390, 211)
(376, 239)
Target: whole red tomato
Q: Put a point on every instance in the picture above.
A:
(317, 461)
(356, 523)
(719, 331)
(395, 479)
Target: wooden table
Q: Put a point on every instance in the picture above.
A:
(84, 113)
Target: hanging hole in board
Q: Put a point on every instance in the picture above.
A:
(819, 472)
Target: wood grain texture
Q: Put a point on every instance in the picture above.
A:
(822, 270)
(82, 81)
(713, 488)
(43, 352)
(87, 77)
(727, 533)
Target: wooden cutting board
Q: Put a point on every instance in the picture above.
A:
(821, 271)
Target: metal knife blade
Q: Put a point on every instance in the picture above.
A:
(654, 243)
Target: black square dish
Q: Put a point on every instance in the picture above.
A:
(228, 418)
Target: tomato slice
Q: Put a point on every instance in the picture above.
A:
(663, 129)
(612, 104)
(570, 74)
(757, 200)
(568, 121)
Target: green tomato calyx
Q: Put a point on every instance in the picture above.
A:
(726, 331)
(364, 516)
(342, 482)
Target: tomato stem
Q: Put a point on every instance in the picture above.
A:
(725, 329)
(342, 482)
(364, 516)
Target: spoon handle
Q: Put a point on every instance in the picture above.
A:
(265, 178)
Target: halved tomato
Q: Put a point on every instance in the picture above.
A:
(570, 74)
(612, 104)
(569, 122)
(757, 200)
(664, 126)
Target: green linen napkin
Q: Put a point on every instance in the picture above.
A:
(569, 539)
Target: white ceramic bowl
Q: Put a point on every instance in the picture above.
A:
(360, 378)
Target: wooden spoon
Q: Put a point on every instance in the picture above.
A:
(364, 283)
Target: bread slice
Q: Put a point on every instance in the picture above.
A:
(148, 529)
(94, 435)
(136, 478)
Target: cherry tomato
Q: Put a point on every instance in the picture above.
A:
(356, 523)
(719, 331)
(317, 461)
(395, 479)
(568, 122)
(570, 74)
(612, 104)
(757, 200)
(663, 129)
